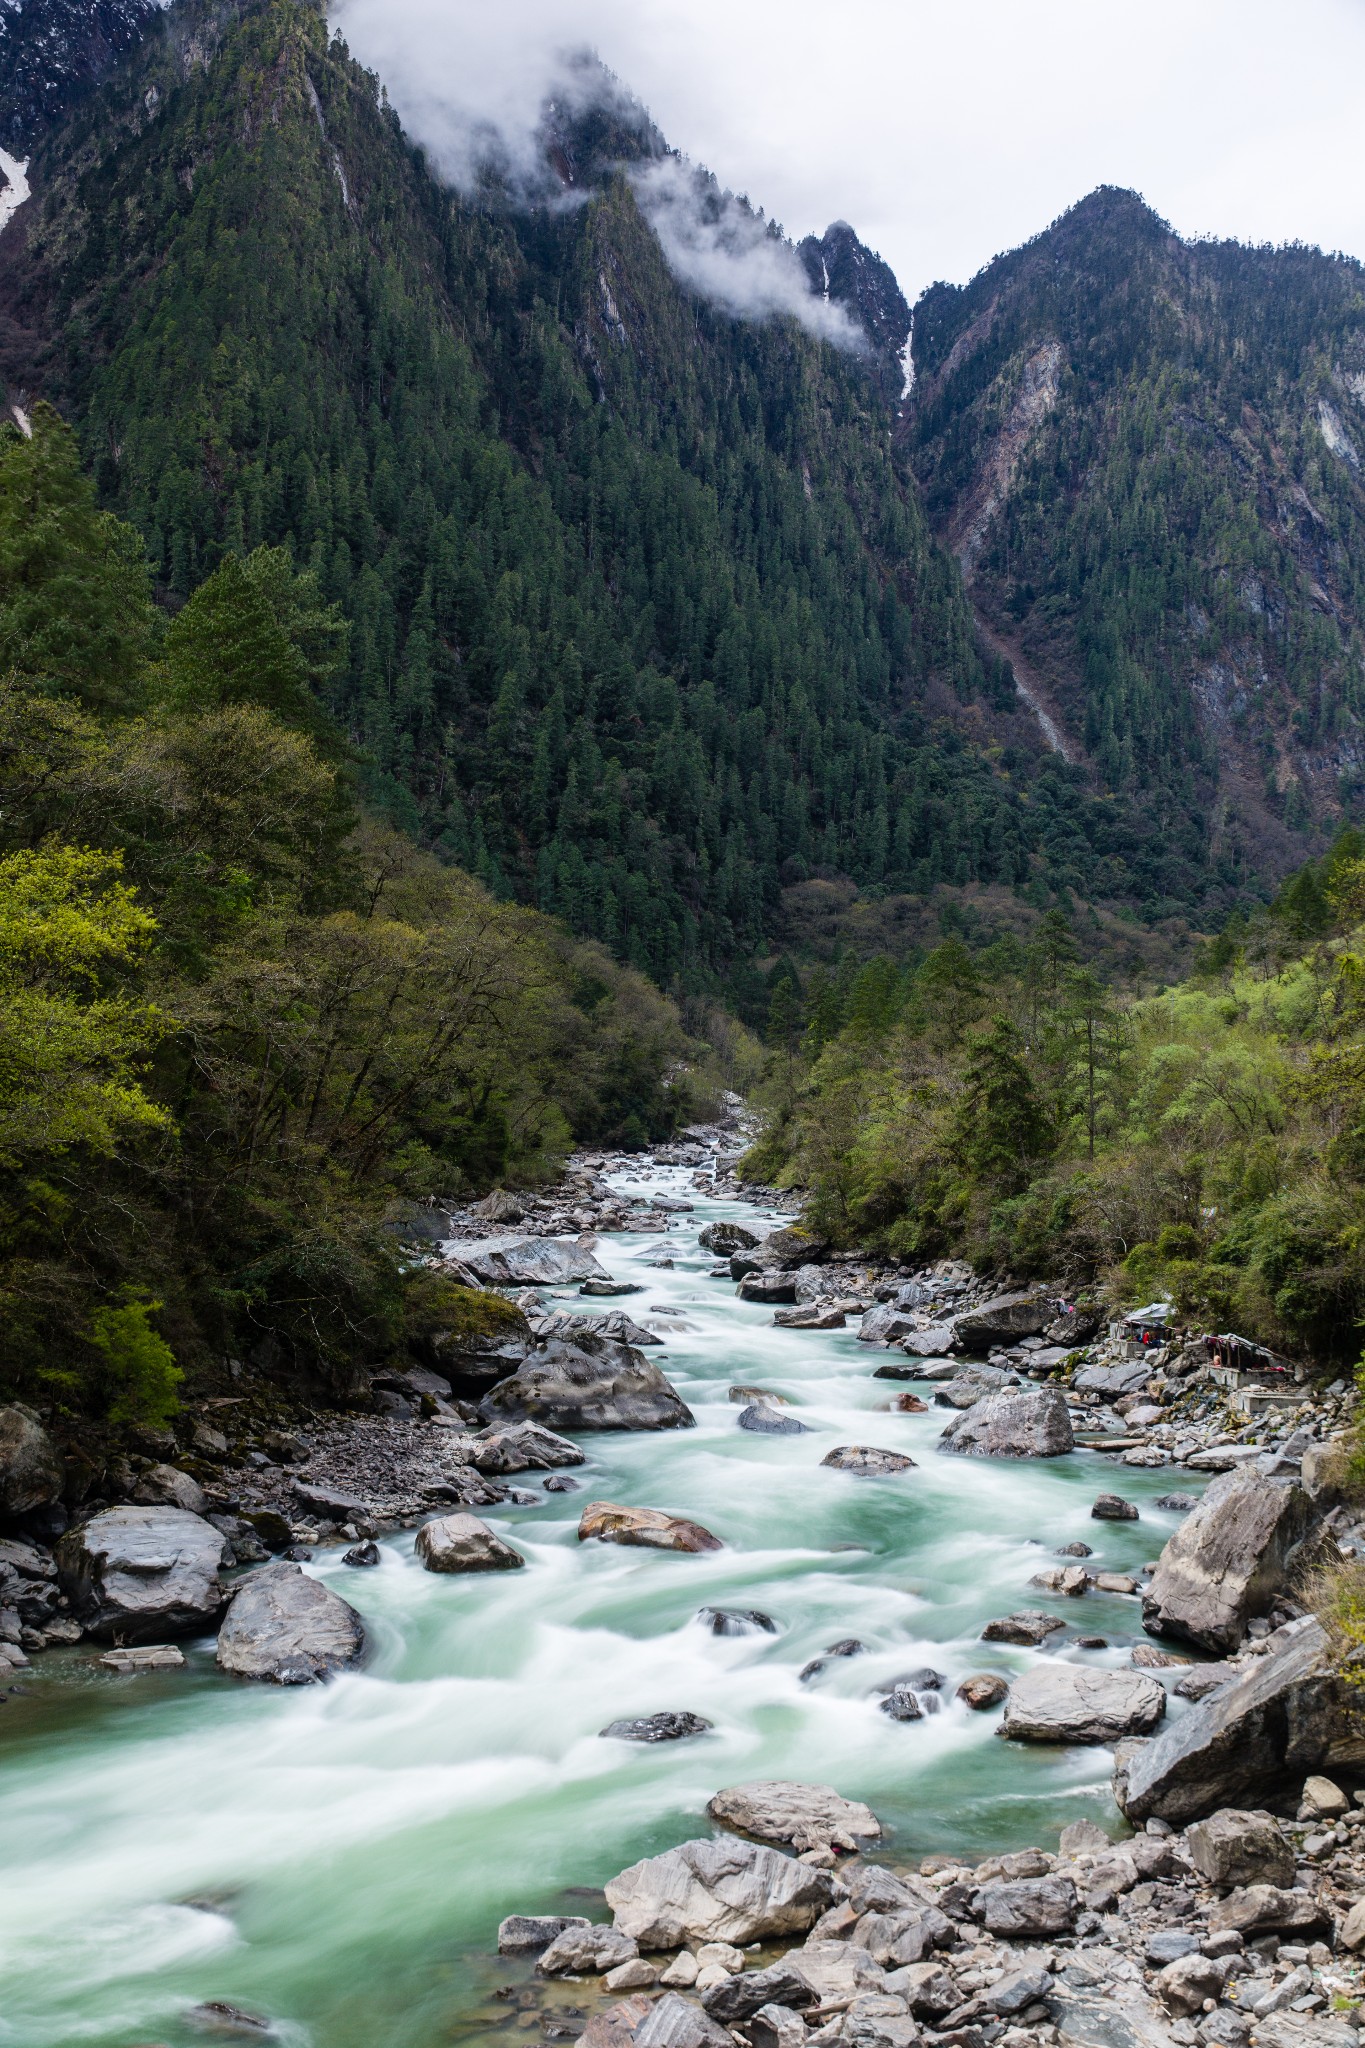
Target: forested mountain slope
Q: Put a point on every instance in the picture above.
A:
(1147, 456)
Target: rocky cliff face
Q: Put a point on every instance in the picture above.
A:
(849, 274)
(53, 52)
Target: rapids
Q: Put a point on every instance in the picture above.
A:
(339, 1858)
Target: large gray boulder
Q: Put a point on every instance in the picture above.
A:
(1228, 1561)
(886, 1324)
(515, 1261)
(1236, 1848)
(1027, 1422)
(1025, 1908)
(727, 1890)
(800, 1816)
(167, 1486)
(781, 1251)
(1003, 1321)
(140, 1574)
(936, 1340)
(1289, 1714)
(462, 1543)
(1074, 1703)
(590, 1384)
(867, 1461)
(289, 1629)
(30, 1469)
(582, 1950)
(523, 1447)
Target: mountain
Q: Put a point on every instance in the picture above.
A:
(1146, 455)
(52, 52)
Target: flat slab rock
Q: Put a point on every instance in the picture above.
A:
(1071, 1703)
(727, 1890)
(136, 1574)
(803, 1816)
(1030, 1422)
(867, 1461)
(604, 1521)
(1030, 1627)
(288, 1629)
(516, 1261)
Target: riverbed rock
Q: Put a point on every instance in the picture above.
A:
(837, 1970)
(773, 1288)
(781, 1250)
(867, 1461)
(288, 1629)
(586, 1950)
(801, 1816)
(604, 1521)
(138, 1574)
(515, 1261)
(1030, 1626)
(936, 1340)
(361, 1556)
(1071, 1703)
(812, 1317)
(1027, 1908)
(724, 1239)
(1112, 1507)
(1031, 1422)
(762, 1420)
(31, 1474)
(1236, 1848)
(666, 1727)
(523, 1447)
(167, 1486)
(527, 1934)
(462, 1543)
(742, 1995)
(592, 1384)
(1228, 1561)
(1290, 1712)
(1003, 1321)
(983, 1690)
(726, 1890)
(736, 1621)
(1257, 1909)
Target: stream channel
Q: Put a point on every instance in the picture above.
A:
(339, 1857)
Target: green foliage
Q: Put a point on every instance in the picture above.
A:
(139, 1374)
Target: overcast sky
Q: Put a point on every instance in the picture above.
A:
(944, 130)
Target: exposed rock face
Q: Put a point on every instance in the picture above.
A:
(289, 1629)
(1227, 1562)
(866, 1461)
(658, 1728)
(805, 1816)
(646, 1528)
(523, 1447)
(1287, 1715)
(1003, 1321)
(462, 1543)
(524, 1261)
(1030, 1423)
(138, 1574)
(728, 1890)
(1232, 1848)
(30, 1470)
(1069, 1703)
(590, 1384)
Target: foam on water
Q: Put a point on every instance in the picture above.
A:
(340, 1857)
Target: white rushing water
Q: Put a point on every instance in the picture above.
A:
(339, 1857)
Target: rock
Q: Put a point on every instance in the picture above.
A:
(813, 1317)
(776, 2026)
(31, 1473)
(1003, 1321)
(983, 1690)
(634, 1975)
(847, 1646)
(1078, 1326)
(1114, 1582)
(1031, 1422)
(910, 1404)
(1351, 1933)
(1168, 1945)
(836, 1969)
(1112, 1507)
(559, 1482)
(568, 1326)
(1113, 1381)
(1017, 1989)
(592, 1384)
(605, 1289)
(1147, 1657)
(781, 1251)
(742, 1995)
(765, 1421)
(736, 1621)
(1028, 1907)
(886, 1324)
(727, 1890)
(526, 1934)
(676, 2022)
(902, 1704)
(1177, 1503)
(327, 1504)
(1322, 1800)
(645, 1528)
(1228, 1561)
(147, 1657)
(1072, 1703)
(167, 1486)
(499, 1207)
(805, 1816)
(724, 1239)
(462, 1543)
(926, 1987)
(867, 1461)
(523, 1447)
(1184, 1985)
(1030, 1627)
(666, 1727)
(1083, 1838)
(289, 1629)
(1201, 1680)
(361, 1555)
(1236, 1848)
(582, 1950)
(748, 1397)
(523, 1261)
(936, 1340)
(218, 2017)
(616, 2027)
(1267, 1909)
(135, 1574)
(773, 1288)
(1072, 1580)
(682, 1972)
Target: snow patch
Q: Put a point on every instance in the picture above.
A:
(22, 421)
(907, 363)
(16, 189)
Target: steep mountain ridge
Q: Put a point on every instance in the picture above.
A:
(53, 52)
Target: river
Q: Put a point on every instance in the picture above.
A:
(339, 1858)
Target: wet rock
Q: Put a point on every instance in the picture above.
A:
(867, 1461)
(526, 1934)
(1073, 1550)
(934, 1341)
(218, 2017)
(983, 1690)
(781, 1251)
(1258, 1909)
(147, 1657)
(666, 1727)
(741, 1996)
(745, 1397)
(586, 1950)
(726, 1890)
(724, 1239)
(737, 1621)
(288, 1629)
(462, 1543)
(136, 1574)
(1072, 1703)
(1235, 1848)
(804, 1816)
(361, 1555)
(847, 1646)
(1114, 1582)
(1147, 1657)
(1201, 1680)
(568, 1326)
(603, 1289)
(524, 1261)
(604, 1521)
(592, 1384)
(902, 1704)
(886, 1324)
(1030, 1423)
(31, 1474)
(561, 1483)
(1112, 1507)
(765, 1421)
(523, 1447)
(1023, 1909)
(1003, 1321)
(813, 1317)
(1228, 1561)
(910, 1404)
(1030, 1626)
(1072, 1580)
(1177, 1503)
(773, 1288)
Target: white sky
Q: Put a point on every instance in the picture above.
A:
(948, 130)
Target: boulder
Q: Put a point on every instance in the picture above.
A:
(646, 1528)
(1177, 1503)
(1112, 1507)
(1003, 1321)
(1030, 1627)
(1027, 1908)
(526, 1934)
(523, 1447)
(676, 2022)
(1236, 1848)
(1322, 1800)
(1114, 1380)
(462, 1543)
(727, 1890)
(804, 1816)
(742, 1995)
(812, 1317)
(524, 1261)
(586, 1950)
(867, 1461)
(1071, 1703)
(593, 1383)
(983, 1690)
(909, 1404)
(724, 1239)
(664, 1727)
(289, 1629)
(599, 1290)
(1257, 1909)
(905, 1934)
(762, 1420)
(781, 1251)
(1030, 1422)
(1228, 1561)
(326, 1503)
(886, 1324)
(1183, 1985)
(138, 1574)
(1288, 1714)
(935, 1341)
(568, 1325)
(1071, 1579)
(773, 1288)
(736, 1621)
(31, 1474)
(837, 1970)
(971, 1386)
(361, 1556)
(902, 1703)
(167, 1486)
